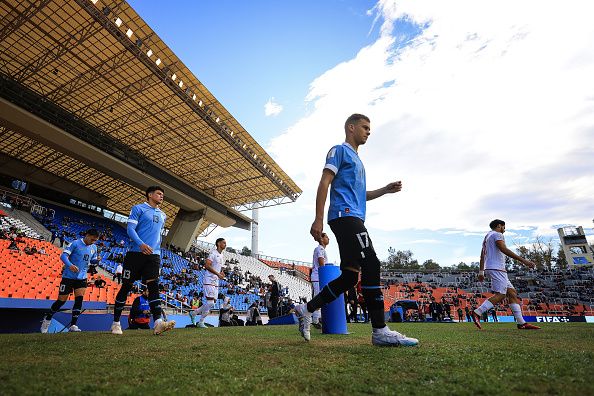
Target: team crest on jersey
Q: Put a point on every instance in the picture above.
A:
(86, 257)
(156, 218)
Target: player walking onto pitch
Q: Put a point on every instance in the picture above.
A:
(492, 265)
(345, 175)
(145, 225)
(213, 271)
(76, 259)
(320, 258)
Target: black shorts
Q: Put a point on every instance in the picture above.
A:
(356, 248)
(68, 285)
(140, 266)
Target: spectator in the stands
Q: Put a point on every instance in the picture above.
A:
(253, 317)
(62, 239)
(54, 236)
(118, 273)
(13, 246)
(225, 313)
(274, 296)
(42, 251)
(99, 283)
(28, 250)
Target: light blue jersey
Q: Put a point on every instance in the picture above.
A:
(79, 254)
(348, 192)
(145, 225)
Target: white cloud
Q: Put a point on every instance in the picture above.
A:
(425, 241)
(488, 113)
(271, 108)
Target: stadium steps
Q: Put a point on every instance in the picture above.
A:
(32, 223)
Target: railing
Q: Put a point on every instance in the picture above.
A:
(18, 200)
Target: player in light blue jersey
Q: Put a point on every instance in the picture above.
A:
(344, 174)
(142, 262)
(76, 259)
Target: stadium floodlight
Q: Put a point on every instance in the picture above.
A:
(255, 156)
(149, 53)
(158, 61)
(217, 120)
(174, 76)
(264, 166)
(194, 97)
(129, 33)
(231, 133)
(118, 22)
(181, 83)
(94, 1)
(200, 103)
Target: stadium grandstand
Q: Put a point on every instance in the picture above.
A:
(94, 107)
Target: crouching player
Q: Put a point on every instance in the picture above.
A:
(76, 259)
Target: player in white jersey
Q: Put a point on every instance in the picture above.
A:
(213, 272)
(493, 266)
(320, 258)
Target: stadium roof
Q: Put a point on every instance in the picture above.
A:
(100, 62)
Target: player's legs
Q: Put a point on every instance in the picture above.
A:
(211, 293)
(317, 314)
(192, 313)
(150, 276)
(347, 232)
(79, 294)
(516, 308)
(64, 291)
(499, 285)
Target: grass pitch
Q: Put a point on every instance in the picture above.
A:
(451, 359)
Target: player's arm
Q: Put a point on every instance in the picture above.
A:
(65, 257)
(505, 250)
(390, 188)
(131, 230)
(321, 261)
(208, 266)
(321, 195)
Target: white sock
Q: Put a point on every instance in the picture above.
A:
(316, 316)
(205, 310)
(116, 322)
(303, 308)
(158, 320)
(485, 306)
(517, 311)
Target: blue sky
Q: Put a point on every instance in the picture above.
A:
(470, 110)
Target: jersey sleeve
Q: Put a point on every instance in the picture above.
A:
(498, 237)
(212, 257)
(70, 248)
(318, 253)
(334, 159)
(135, 214)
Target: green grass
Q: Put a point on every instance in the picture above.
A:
(451, 359)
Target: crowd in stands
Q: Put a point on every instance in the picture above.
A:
(445, 295)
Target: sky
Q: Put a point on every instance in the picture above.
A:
(482, 109)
